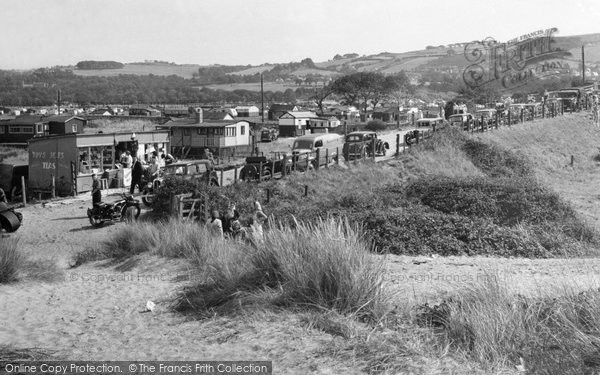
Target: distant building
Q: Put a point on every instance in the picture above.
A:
(190, 136)
(216, 116)
(276, 110)
(144, 110)
(102, 112)
(294, 123)
(323, 124)
(17, 131)
(388, 114)
(176, 111)
(247, 111)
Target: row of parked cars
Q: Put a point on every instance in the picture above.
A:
(309, 152)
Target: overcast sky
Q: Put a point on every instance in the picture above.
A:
(40, 33)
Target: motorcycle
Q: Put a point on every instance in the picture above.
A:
(10, 220)
(127, 207)
(151, 187)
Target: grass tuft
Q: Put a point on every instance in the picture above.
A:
(555, 335)
(11, 260)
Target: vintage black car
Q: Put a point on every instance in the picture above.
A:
(268, 135)
(10, 179)
(270, 167)
(360, 144)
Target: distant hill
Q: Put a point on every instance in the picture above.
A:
(96, 65)
(143, 69)
(446, 59)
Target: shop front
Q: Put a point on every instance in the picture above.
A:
(72, 159)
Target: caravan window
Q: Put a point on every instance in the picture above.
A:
(319, 143)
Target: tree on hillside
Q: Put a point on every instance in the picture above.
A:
(400, 90)
(360, 89)
(320, 95)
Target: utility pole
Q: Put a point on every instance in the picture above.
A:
(58, 101)
(262, 100)
(583, 63)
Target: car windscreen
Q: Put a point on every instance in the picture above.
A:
(353, 138)
(197, 169)
(456, 119)
(568, 94)
(303, 144)
(176, 169)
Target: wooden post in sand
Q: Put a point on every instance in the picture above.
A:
(23, 190)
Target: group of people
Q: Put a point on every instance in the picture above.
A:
(229, 224)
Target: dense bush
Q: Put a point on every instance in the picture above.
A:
(496, 162)
(417, 231)
(503, 201)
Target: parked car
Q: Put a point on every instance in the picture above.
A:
(273, 166)
(306, 147)
(202, 170)
(10, 179)
(464, 120)
(269, 135)
(360, 144)
(430, 121)
(485, 117)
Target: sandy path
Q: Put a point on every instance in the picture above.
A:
(95, 312)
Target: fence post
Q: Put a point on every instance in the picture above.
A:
(326, 158)
(508, 118)
(337, 154)
(268, 195)
(318, 159)
(23, 190)
(397, 144)
(205, 208)
(260, 172)
(53, 185)
(235, 174)
(544, 111)
(522, 111)
(221, 180)
(413, 119)
(572, 160)
(373, 149)
(306, 190)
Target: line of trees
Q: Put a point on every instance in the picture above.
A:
(123, 89)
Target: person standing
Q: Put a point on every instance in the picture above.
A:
(96, 191)
(215, 227)
(259, 218)
(126, 159)
(137, 171)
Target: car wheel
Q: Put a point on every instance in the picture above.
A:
(147, 197)
(248, 173)
(266, 174)
(130, 213)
